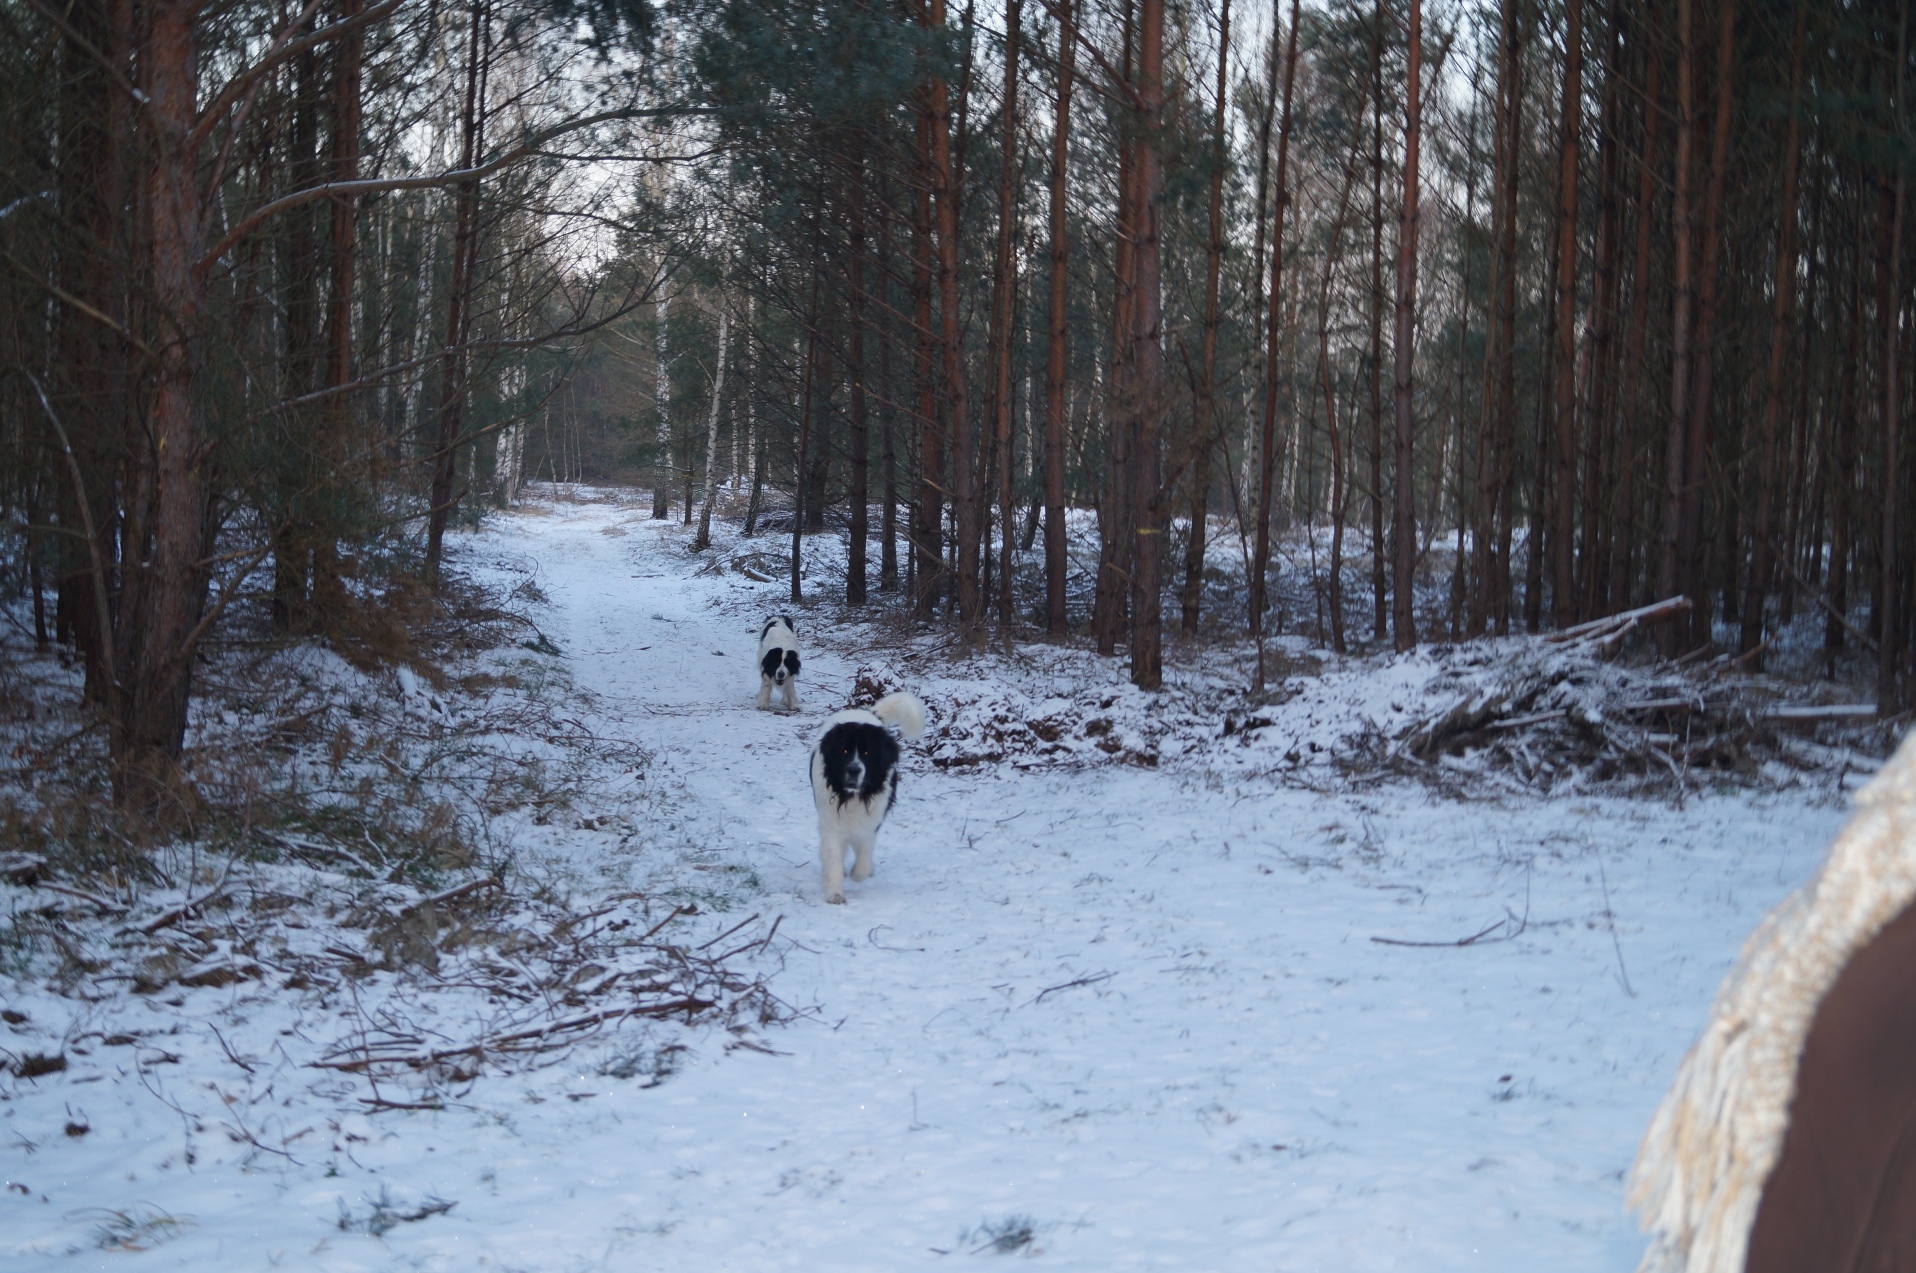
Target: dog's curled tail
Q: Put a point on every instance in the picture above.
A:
(903, 712)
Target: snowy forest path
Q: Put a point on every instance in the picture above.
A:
(1110, 1016)
(1134, 1019)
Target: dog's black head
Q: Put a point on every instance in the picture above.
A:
(775, 619)
(779, 664)
(861, 760)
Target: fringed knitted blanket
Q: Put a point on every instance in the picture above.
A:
(1701, 1169)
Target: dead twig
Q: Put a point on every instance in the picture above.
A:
(1482, 937)
(113, 908)
(186, 908)
(1092, 980)
(452, 894)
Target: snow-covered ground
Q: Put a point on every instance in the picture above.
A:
(1103, 1015)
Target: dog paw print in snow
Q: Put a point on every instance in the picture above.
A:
(419, 699)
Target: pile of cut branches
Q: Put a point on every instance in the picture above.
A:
(423, 990)
(1563, 712)
(552, 978)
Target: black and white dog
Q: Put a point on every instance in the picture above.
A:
(778, 662)
(855, 781)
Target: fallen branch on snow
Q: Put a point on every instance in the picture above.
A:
(1613, 628)
(1482, 937)
(1092, 980)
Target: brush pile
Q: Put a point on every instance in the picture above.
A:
(1563, 712)
(418, 991)
(552, 978)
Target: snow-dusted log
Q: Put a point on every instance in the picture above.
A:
(1611, 627)
(1822, 711)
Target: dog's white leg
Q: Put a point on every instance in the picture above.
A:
(862, 868)
(791, 695)
(831, 856)
(764, 693)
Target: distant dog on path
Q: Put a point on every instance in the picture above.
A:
(778, 663)
(855, 780)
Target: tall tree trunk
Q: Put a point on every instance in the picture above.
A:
(945, 193)
(807, 390)
(297, 468)
(1807, 466)
(1623, 520)
(1506, 424)
(1492, 569)
(1537, 541)
(1782, 319)
(1115, 505)
(818, 469)
(888, 436)
(859, 437)
(1891, 638)
(1204, 423)
(344, 235)
(662, 402)
(1058, 330)
(1340, 467)
(1267, 427)
(1147, 632)
(1842, 481)
(163, 590)
(1266, 119)
(90, 349)
(1374, 372)
(1598, 458)
(1564, 377)
(1703, 374)
(929, 509)
(703, 540)
(452, 378)
(1670, 578)
(1004, 290)
(1403, 479)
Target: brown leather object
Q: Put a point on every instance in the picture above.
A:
(1842, 1196)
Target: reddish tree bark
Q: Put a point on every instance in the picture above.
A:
(1147, 359)
(163, 591)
